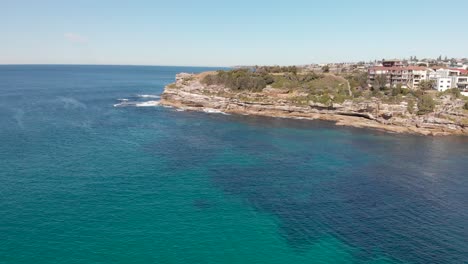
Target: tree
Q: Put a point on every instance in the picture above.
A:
(380, 82)
(268, 78)
(326, 68)
(425, 104)
(397, 90)
(292, 69)
(427, 85)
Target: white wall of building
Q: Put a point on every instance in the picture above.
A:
(445, 83)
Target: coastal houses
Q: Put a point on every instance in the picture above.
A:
(408, 77)
(395, 73)
(449, 78)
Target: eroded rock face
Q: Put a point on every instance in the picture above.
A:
(190, 94)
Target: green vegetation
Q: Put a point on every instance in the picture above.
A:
(455, 92)
(276, 69)
(358, 81)
(398, 90)
(410, 106)
(465, 106)
(321, 88)
(241, 79)
(425, 104)
(427, 85)
(325, 89)
(328, 89)
(380, 82)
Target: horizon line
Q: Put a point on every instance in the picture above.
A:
(105, 64)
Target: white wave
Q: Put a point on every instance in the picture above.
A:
(125, 103)
(123, 100)
(213, 111)
(18, 116)
(148, 95)
(147, 104)
(71, 103)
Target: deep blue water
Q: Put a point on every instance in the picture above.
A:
(82, 181)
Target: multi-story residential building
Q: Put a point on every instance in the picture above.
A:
(444, 83)
(407, 77)
(461, 65)
(446, 78)
(392, 63)
(462, 82)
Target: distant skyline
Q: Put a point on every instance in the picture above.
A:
(219, 33)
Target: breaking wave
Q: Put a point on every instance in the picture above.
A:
(148, 96)
(124, 102)
(214, 111)
(147, 104)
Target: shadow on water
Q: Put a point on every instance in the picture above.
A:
(394, 195)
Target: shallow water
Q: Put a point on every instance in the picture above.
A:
(83, 181)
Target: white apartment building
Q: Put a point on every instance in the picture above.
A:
(411, 76)
(420, 75)
(444, 83)
(449, 78)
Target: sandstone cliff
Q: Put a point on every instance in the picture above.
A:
(189, 93)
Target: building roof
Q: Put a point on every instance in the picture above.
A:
(412, 68)
(463, 72)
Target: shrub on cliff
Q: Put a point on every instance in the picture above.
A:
(309, 77)
(425, 104)
(455, 92)
(241, 79)
(399, 90)
(380, 82)
(427, 85)
(276, 69)
(358, 81)
(268, 79)
(410, 106)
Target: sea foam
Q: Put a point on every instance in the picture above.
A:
(148, 96)
(147, 104)
(214, 111)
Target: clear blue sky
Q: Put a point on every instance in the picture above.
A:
(224, 33)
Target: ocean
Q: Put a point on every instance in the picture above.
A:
(93, 170)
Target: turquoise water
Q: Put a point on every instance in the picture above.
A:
(83, 181)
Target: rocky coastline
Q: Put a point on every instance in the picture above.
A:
(189, 93)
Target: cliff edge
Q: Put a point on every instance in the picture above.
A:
(193, 92)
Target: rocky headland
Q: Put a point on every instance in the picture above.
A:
(195, 92)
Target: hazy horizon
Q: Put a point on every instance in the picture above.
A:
(209, 33)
